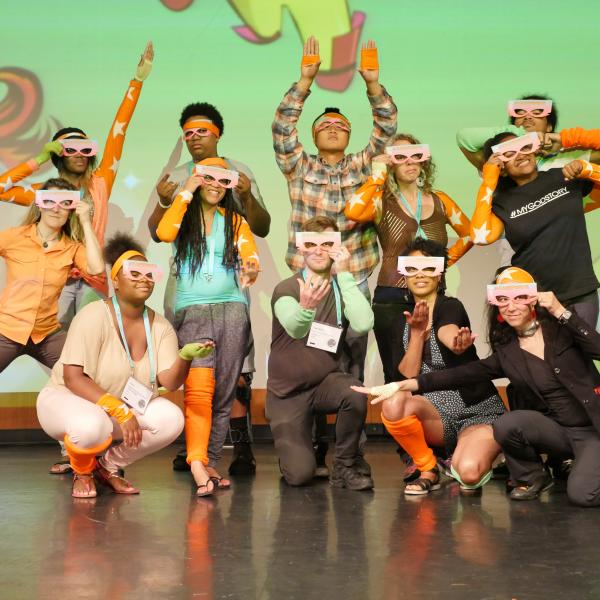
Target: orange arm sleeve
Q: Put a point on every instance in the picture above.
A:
(577, 137)
(16, 194)
(364, 205)
(116, 137)
(486, 227)
(591, 171)
(457, 219)
(169, 225)
(245, 242)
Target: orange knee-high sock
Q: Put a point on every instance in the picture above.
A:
(198, 395)
(83, 460)
(408, 432)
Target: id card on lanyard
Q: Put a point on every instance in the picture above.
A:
(136, 394)
(322, 335)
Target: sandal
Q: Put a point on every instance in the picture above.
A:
(89, 479)
(206, 489)
(61, 467)
(218, 483)
(425, 485)
(114, 481)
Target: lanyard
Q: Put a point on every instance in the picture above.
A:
(336, 294)
(415, 215)
(148, 340)
(209, 270)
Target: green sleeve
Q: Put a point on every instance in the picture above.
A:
(294, 319)
(356, 307)
(474, 138)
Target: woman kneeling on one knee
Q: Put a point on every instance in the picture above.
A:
(105, 384)
(547, 352)
(437, 335)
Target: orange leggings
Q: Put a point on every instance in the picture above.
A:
(408, 432)
(198, 397)
(83, 460)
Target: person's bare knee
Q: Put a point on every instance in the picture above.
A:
(470, 470)
(394, 408)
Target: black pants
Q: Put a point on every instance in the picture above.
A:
(525, 434)
(291, 421)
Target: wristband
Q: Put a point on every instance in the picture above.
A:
(369, 59)
(567, 314)
(115, 408)
(164, 206)
(310, 59)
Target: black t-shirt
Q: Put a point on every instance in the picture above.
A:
(293, 366)
(450, 311)
(545, 225)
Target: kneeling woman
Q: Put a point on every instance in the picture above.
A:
(436, 336)
(105, 385)
(215, 257)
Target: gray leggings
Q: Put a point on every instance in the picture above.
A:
(46, 352)
(525, 434)
(228, 325)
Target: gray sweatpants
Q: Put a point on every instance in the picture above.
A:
(228, 326)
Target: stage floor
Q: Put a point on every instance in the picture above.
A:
(265, 540)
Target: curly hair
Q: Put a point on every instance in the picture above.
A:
(203, 109)
(120, 243)
(191, 241)
(428, 167)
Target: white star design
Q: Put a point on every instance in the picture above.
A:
(508, 274)
(28, 188)
(130, 93)
(254, 257)
(241, 241)
(356, 199)
(379, 172)
(119, 128)
(7, 184)
(465, 240)
(177, 225)
(455, 217)
(115, 165)
(481, 234)
(488, 195)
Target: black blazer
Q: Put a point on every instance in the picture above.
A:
(569, 350)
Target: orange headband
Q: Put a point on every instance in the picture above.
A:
(119, 262)
(514, 275)
(215, 161)
(204, 123)
(64, 136)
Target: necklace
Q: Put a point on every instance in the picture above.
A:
(530, 331)
(45, 242)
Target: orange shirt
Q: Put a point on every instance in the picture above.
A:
(101, 181)
(34, 280)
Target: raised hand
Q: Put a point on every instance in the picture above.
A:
(370, 76)
(550, 302)
(312, 291)
(166, 189)
(463, 340)
(193, 183)
(145, 65)
(83, 210)
(341, 258)
(418, 321)
(550, 143)
(572, 170)
(244, 187)
(495, 159)
(48, 150)
(311, 62)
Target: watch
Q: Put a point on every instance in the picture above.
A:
(564, 317)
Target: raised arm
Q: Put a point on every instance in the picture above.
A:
(486, 227)
(418, 322)
(364, 205)
(94, 261)
(168, 227)
(113, 148)
(577, 137)
(289, 152)
(471, 140)
(457, 219)
(257, 215)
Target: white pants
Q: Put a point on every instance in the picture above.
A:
(61, 413)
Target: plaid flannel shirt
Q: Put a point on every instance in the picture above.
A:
(317, 188)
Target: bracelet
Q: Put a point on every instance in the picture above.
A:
(566, 315)
(162, 205)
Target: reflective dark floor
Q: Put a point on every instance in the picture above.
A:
(265, 540)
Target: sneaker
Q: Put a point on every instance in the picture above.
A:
(349, 478)
(322, 470)
(243, 462)
(362, 466)
(180, 461)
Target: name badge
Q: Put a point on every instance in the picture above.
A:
(136, 395)
(324, 337)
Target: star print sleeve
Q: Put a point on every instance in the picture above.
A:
(486, 227)
(245, 242)
(591, 171)
(17, 194)
(457, 219)
(168, 228)
(116, 137)
(364, 205)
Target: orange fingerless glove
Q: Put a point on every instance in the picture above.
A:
(310, 59)
(369, 59)
(115, 407)
(579, 137)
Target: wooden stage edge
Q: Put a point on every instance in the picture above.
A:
(17, 410)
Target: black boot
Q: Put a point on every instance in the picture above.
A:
(243, 462)
(180, 461)
(322, 469)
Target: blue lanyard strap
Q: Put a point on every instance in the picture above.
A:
(149, 343)
(415, 215)
(337, 296)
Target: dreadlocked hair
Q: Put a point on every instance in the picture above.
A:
(191, 241)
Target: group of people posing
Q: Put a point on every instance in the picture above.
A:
(110, 354)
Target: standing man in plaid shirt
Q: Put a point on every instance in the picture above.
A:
(321, 184)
